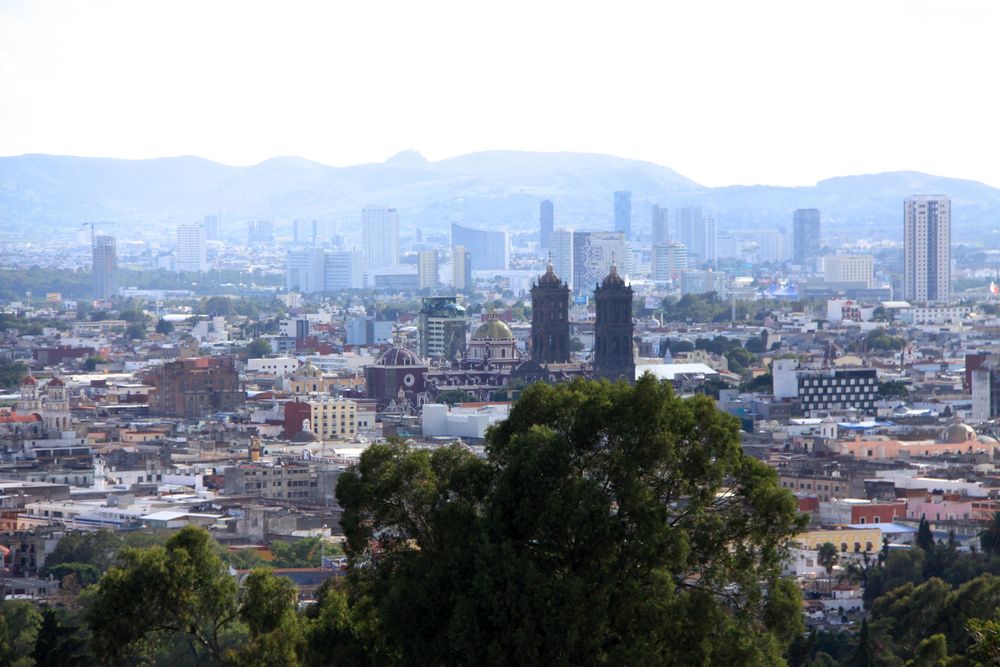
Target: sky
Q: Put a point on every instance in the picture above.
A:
(724, 92)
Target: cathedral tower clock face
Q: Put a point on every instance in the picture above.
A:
(409, 379)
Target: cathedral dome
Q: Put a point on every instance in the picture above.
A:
(493, 330)
(958, 433)
(308, 370)
(398, 356)
(55, 382)
(613, 279)
(549, 278)
(30, 379)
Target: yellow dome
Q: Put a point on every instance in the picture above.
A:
(493, 330)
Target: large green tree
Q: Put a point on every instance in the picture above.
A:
(608, 524)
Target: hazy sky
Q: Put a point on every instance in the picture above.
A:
(724, 92)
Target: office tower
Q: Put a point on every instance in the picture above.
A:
(726, 246)
(668, 260)
(697, 233)
(260, 232)
(805, 234)
(442, 328)
(104, 267)
(427, 269)
(211, 225)
(550, 319)
(304, 270)
(561, 253)
(490, 248)
(191, 251)
(342, 270)
(593, 254)
(461, 268)
(849, 269)
(660, 224)
(380, 237)
(613, 356)
(623, 213)
(927, 248)
(305, 232)
(546, 220)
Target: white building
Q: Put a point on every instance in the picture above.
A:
(927, 248)
(667, 261)
(461, 268)
(427, 269)
(304, 270)
(849, 269)
(191, 250)
(342, 270)
(561, 249)
(380, 237)
(440, 420)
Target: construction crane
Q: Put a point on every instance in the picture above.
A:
(92, 225)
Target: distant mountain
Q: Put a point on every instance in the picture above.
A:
(45, 194)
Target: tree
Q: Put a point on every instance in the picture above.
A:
(11, 373)
(164, 327)
(893, 389)
(178, 590)
(989, 537)
(925, 539)
(98, 548)
(306, 552)
(864, 655)
(257, 348)
(607, 524)
(135, 331)
(21, 620)
(218, 305)
(453, 396)
(827, 557)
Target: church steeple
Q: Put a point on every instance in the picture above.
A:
(550, 319)
(613, 356)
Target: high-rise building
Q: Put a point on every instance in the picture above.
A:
(191, 250)
(104, 267)
(697, 233)
(613, 355)
(623, 213)
(593, 255)
(806, 241)
(849, 269)
(342, 269)
(461, 268)
(211, 225)
(927, 248)
(660, 224)
(546, 221)
(427, 269)
(550, 319)
(726, 246)
(442, 327)
(305, 232)
(305, 270)
(667, 261)
(490, 248)
(561, 252)
(260, 232)
(380, 237)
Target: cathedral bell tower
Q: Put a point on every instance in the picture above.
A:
(550, 319)
(613, 357)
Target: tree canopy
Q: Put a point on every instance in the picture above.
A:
(608, 524)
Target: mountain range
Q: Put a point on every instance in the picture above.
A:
(41, 195)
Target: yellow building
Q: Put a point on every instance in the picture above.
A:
(334, 418)
(850, 539)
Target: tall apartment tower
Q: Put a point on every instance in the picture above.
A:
(211, 225)
(104, 267)
(305, 232)
(927, 248)
(380, 237)
(260, 232)
(660, 224)
(427, 269)
(546, 221)
(697, 233)
(550, 319)
(461, 268)
(623, 213)
(191, 251)
(805, 234)
(561, 254)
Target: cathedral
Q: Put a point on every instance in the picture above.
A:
(50, 407)
(614, 357)
(550, 319)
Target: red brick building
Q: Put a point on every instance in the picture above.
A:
(194, 388)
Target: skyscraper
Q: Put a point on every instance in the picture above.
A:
(305, 270)
(546, 220)
(211, 225)
(806, 241)
(461, 268)
(260, 232)
(305, 232)
(927, 248)
(380, 237)
(191, 252)
(660, 224)
(427, 269)
(623, 213)
(442, 327)
(104, 267)
(613, 356)
(342, 270)
(490, 248)
(668, 260)
(561, 249)
(697, 233)
(550, 319)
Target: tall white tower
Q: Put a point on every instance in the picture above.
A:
(380, 237)
(927, 248)
(191, 251)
